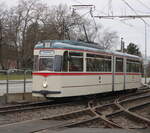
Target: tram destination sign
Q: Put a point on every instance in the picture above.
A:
(46, 53)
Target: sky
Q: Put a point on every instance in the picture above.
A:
(132, 30)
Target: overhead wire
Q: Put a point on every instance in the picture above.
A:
(134, 11)
(113, 18)
(143, 4)
(122, 21)
(78, 2)
(90, 12)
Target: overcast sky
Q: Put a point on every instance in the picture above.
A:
(132, 30)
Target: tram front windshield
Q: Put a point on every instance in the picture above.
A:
(46, 64)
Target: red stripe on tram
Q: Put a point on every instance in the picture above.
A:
(76, 74)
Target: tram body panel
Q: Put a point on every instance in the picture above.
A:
(73, 85)
(118, 82)
(86, 85)
(133, 81)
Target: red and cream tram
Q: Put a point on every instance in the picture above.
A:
(64, 68)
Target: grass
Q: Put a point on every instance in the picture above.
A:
(14, 77)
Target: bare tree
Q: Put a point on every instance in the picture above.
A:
(23, 16)
(31, 21)
(108, 39)
(3, 18)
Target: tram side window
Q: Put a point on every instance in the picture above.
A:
(133, 66)
(128, 66)
(141, 67)
(75, 61)
(65, 61)
(119, 64)
(137, 67)
(98, 63)
(107, 67)
(89, 65)
(57, 63)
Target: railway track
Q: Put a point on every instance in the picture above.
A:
(44, 104)
(116, 114)
(34, 106)
(107, 115)
(24, 107)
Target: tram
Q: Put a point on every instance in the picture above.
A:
(65, 68)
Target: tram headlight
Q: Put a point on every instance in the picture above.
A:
(45, 85)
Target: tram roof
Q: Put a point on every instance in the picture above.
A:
(78, 45)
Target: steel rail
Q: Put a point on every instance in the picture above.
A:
(127, 110)
(9, 107)
(102, 117)
(133, 98)
(32, 106)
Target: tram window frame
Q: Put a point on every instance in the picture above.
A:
(57, 63)
(65, 61)
(69, 57)
(46, 68)
(119, 67)
(133, 65)
(93, 62)
(76, 61)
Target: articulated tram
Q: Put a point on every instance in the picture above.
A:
(65, 68)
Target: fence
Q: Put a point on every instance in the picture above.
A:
(15, 81)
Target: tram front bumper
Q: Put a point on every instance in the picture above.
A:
(46, 92)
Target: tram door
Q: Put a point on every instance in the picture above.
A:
(118, 74)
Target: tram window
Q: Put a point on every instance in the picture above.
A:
(129, 66)
(46, 64)
(75, 54)
(119, 64)
(141, 67)
(57, 63)
(75, 61)
(90, 64)
(107, 65)
(65, 61)
(36, 62)
(133, 66)
(98, 63)
(76, 64)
